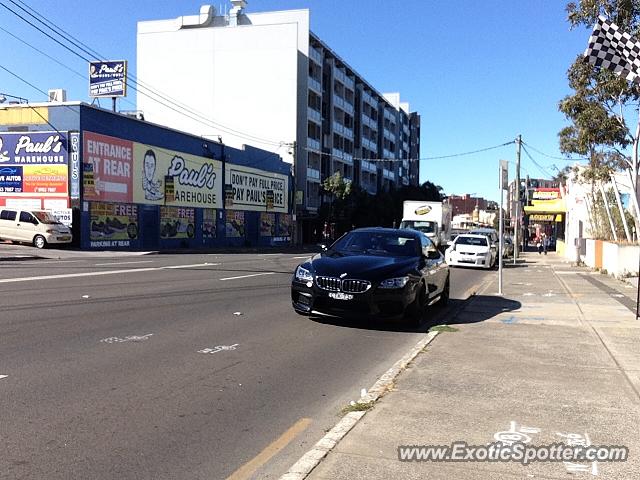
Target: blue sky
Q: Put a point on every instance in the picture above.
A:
(478, 72)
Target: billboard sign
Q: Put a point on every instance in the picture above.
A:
(129, 172)
(251, 187)
(108, 79)
(34, 164)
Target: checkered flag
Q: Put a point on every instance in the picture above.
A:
(614, 50)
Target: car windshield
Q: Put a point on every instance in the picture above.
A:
(46, 217)
(424, 227)
(374, 243)
(477, 241)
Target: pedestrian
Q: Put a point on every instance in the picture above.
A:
(539, 245)
(545, 243)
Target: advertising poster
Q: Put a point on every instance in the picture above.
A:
(112, 165)
(197, 181)
(177, 222)
(267, 224)
(284, 227)
(11, 179)
(34, 164)
(235, 224)
(108, 79)
(45, 179)
(209, 223)
(113, 225)
(250, 187)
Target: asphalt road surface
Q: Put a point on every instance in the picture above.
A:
(176, 366)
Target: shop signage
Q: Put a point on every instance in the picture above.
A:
(539, 217)
(108, 79)
(34, 164)
(130, 172)
(250, 187)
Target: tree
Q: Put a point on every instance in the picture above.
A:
(602, 104)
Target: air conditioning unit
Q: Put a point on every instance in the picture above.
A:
(58, 95)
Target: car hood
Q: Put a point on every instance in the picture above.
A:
(365, 267)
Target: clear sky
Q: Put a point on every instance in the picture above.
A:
(478, 72)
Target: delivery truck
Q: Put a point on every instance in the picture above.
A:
(432, 218)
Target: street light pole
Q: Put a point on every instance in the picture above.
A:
(516, 227)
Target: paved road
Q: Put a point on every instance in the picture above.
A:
(105, 375)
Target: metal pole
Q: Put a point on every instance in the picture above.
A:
(620, 208)
(516, 227)
(638, 289)
(502, 166)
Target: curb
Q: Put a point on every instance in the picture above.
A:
(18, 258)
(303, 467)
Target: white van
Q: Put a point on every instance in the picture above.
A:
(37, 227)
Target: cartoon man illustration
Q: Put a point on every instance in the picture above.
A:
(150, 186)
(3, 155)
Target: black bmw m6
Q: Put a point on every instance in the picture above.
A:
(379, 272)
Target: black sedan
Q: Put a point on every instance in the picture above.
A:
(379, 272)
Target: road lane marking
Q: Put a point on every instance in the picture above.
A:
(130, 338)
(3, 376)
(106, 272)
(297, 258)
(249, 468)
(219, 348)
(123, 263)
(247, 276)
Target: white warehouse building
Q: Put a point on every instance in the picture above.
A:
(265, 79)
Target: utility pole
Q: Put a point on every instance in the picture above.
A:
(516, 228)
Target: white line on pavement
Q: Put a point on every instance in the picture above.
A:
(3, 376)
(107, 272)
(122, 263)
(306, 256)
(247, 276)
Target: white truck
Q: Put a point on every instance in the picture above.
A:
(432, 218)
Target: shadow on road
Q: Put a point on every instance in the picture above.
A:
(458, 311)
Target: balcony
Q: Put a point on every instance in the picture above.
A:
(315, 55)
(341, 156)
(368, 167)
(340, 102)
(344, 79)
(342, 130)
(389, 135)
(315, 85)
(388, 153)
(313, 144)
(313, 174)
(371, 145)
(314, 115)
(370, 122)
(405, 181)
(389, 116)
(388, 174)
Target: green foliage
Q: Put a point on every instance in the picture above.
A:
(358, 208)
(337, 186)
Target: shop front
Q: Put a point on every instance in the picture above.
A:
(546, 215)
(122, 183)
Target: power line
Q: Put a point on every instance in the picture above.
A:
(373, 160)
(181, 109)
(540, 167)
(564, 159)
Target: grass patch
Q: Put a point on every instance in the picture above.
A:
(443, 328)
(358, 407)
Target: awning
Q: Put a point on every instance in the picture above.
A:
(557, 205)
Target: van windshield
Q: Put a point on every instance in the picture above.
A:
(46, 217)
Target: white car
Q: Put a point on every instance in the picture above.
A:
(471, 250)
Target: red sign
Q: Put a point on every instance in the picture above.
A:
(112, 160)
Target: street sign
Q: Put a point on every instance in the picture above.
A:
(504, 174)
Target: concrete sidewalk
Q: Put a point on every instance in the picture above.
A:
(555, 359)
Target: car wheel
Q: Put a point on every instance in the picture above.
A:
(444, 296)
(416, 310)
(39, 241)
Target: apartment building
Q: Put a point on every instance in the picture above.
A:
(265, 79)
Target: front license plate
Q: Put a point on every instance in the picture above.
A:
(340, 296)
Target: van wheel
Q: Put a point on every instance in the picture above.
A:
(39, 241)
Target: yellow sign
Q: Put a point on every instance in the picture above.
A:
(541, 217)
(423, 210)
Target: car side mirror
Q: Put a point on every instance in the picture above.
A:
(431, 253)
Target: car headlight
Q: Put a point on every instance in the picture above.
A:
(303, 275)
(397, 282)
